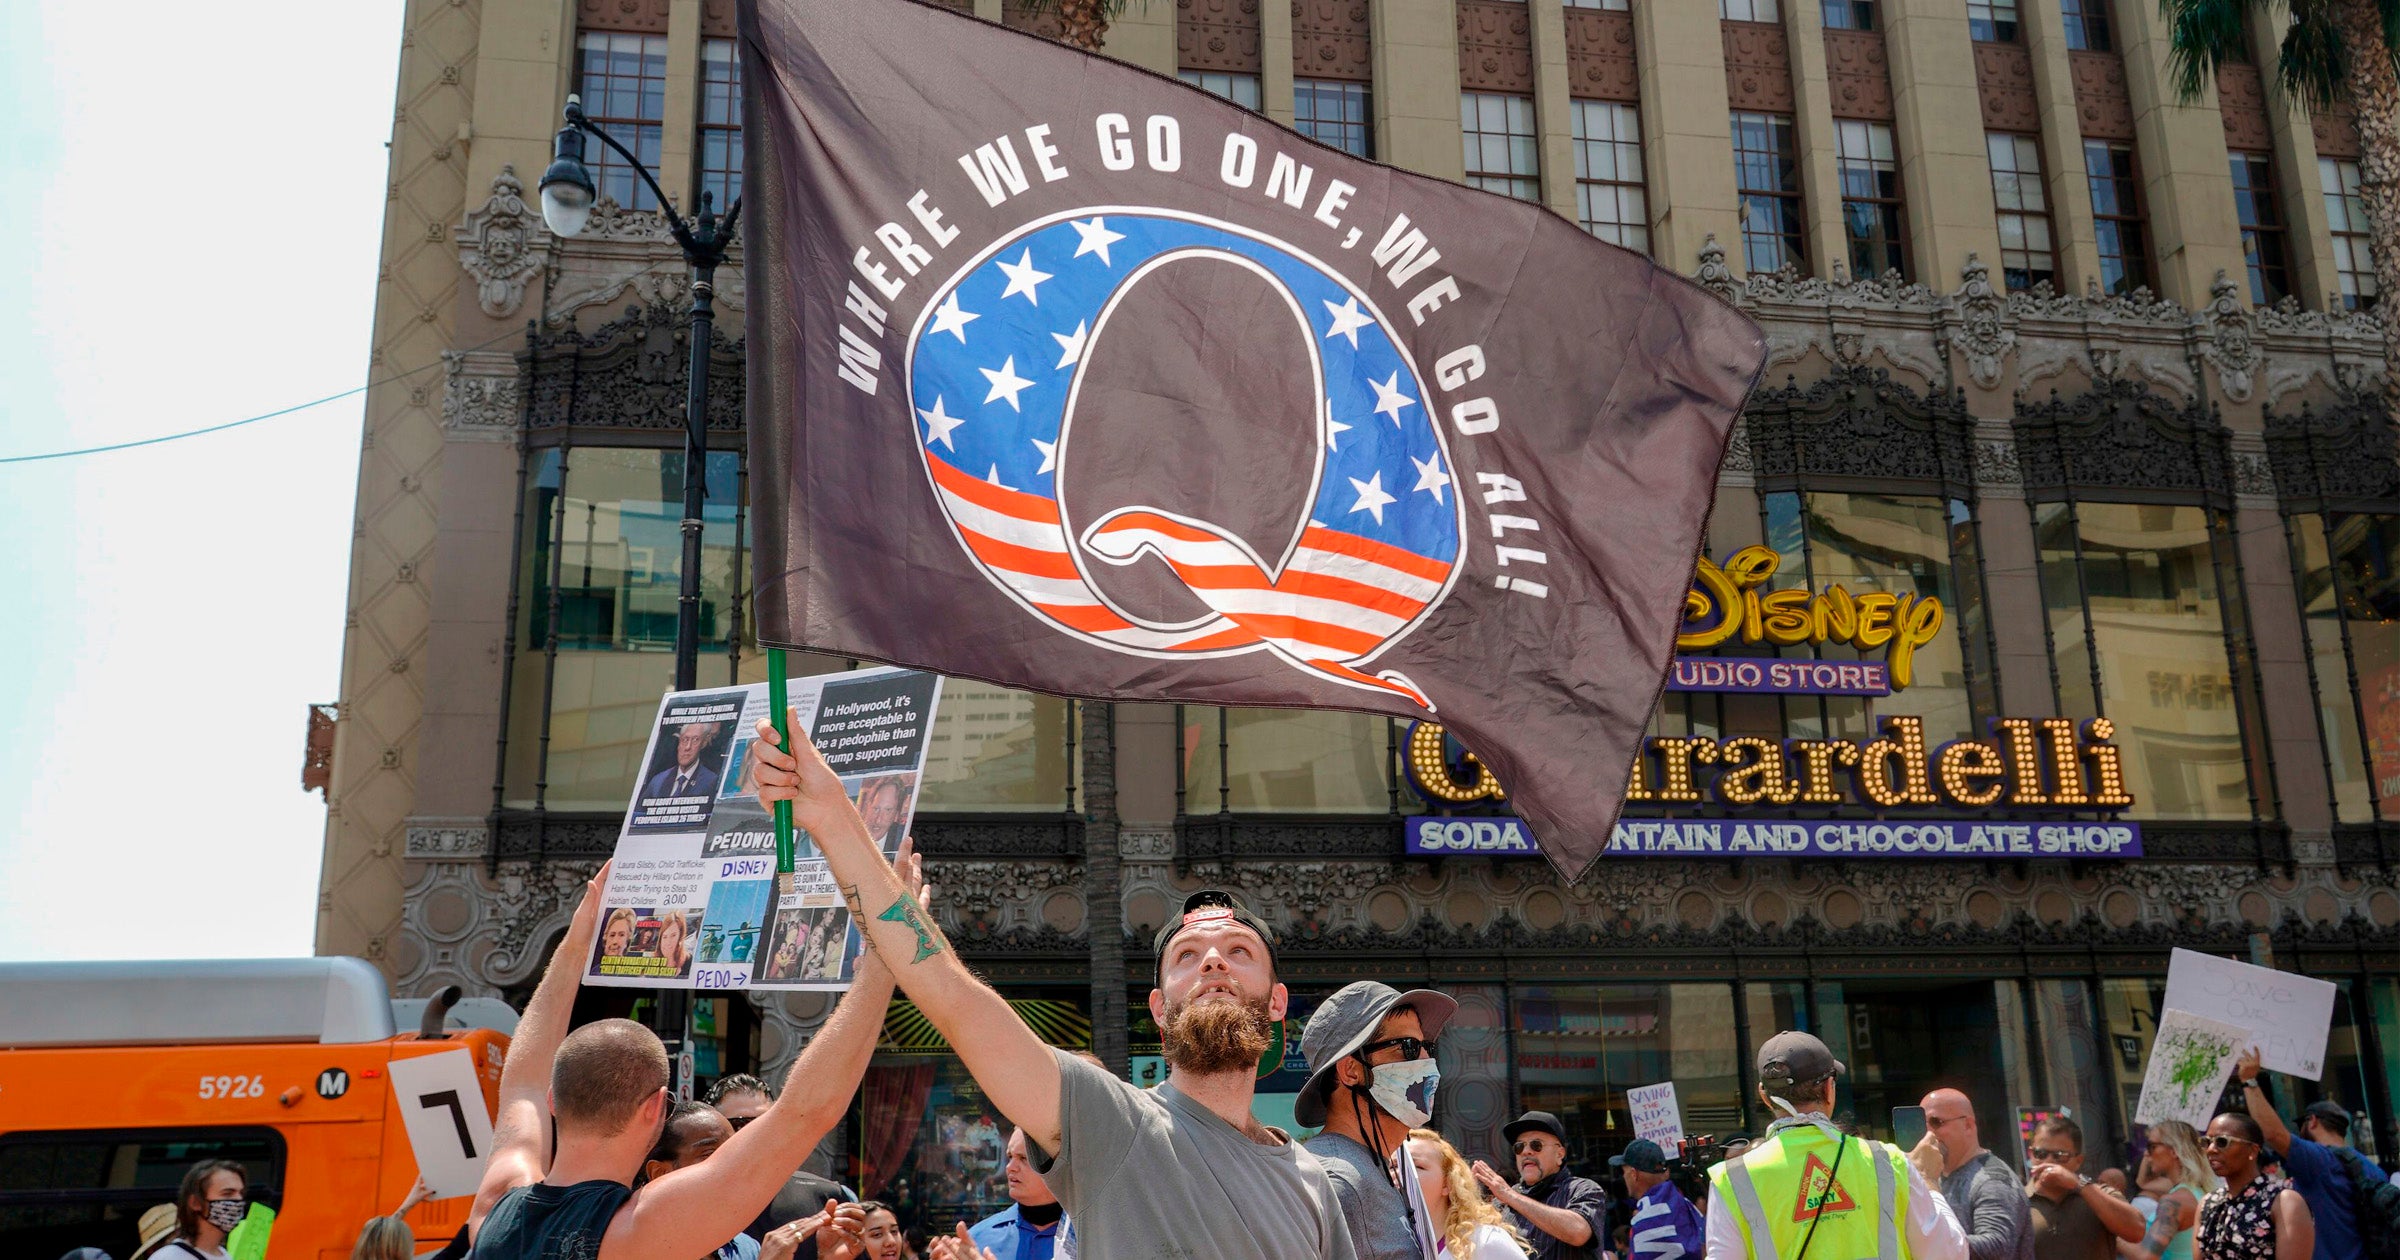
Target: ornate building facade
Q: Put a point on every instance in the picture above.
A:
(2094, 367)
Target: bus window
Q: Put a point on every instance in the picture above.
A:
(89, 1187)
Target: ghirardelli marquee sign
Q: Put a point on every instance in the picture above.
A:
(2022, 764)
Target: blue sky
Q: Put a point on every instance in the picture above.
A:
(193, 204)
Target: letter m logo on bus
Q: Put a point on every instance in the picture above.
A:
(1820, 1193)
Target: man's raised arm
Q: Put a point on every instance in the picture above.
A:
(521, 1130)
(691, 1209)
(1007, 1060)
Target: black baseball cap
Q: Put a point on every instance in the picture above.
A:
(1542, 1120)
(1641, 1154)
(1795, 1058)
(2330, 1114)
(1212, 905)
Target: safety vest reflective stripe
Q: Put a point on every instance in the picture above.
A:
(1754, 1217)
(1887, 1195)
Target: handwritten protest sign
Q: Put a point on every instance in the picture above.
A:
(2189, 1060)
(2290, 1015)
(1656, 1115)
(691, 900)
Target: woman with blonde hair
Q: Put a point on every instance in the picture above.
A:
(2175, 1163)
(1465, 1225)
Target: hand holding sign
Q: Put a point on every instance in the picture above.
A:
(449, 1128)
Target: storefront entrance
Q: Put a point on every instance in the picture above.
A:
(1903, 1041)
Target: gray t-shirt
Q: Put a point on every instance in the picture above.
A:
(1149, 1174)
(1989, 1203)
(1378, 1216)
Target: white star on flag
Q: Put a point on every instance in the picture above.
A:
(1389, 400)
(1022, 277)
(1070, 345)
(1333, 430)
(939, 423)
(1430, 476)
(952, 319)
(1049, 452)
(1347, 320)
(1005, 383)
(994, 477)
(1371, 497)
(1096, 239)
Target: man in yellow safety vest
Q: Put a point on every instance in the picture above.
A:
(1810, 1190)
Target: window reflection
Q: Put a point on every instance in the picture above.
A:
(1286, 761)
(2349, 572)
(2137, 587)
(996, 749)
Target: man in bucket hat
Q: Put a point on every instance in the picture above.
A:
(1563, 1216)
(1372, 1076)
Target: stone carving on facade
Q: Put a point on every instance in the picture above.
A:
(1217, 35)
(446, 839)
(2232, 344)
(1495, 46)
(1984, 336)
(1996, 463)
(1737, 449)
(2342, 454)
(1329, 40)
(481, 401)
(629, 373)
(1886, 430)
(501, 246)
(1600, 61)
(1713, 274)
(2103, 104)
(2119, 435)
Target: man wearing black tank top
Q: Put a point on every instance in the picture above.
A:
(605, 1089)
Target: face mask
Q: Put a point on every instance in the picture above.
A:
(227, 1213)
(1405, 1090)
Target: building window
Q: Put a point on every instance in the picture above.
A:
(1914, 546)
(1610, 200)
(2117, 216)
(1241, 89)
(1580, 1047)
(720, 122)
(1750, 10)
(1334, 112)
(1849, 15)
(623, 81)
(2348, 565)
(2027, 257)
(1871, 212)
(2087, 25)
(1286, 761)
(2138, 605)
(2254, 200)
(1503, 155)
(993, 749)
(1619, 6)
(2346, 214)
(1992, 21)
(1767, 175)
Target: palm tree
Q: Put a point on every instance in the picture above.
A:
(2335, 51)
(1083, 23)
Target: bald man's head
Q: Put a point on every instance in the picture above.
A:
(1950, 1120)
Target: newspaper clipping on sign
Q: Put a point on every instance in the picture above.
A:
(691, 899)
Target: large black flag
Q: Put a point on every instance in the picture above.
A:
(1069, 376)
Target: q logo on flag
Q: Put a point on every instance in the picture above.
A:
(995, 369)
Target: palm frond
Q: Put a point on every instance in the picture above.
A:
(2314, 59)
(2205, 34)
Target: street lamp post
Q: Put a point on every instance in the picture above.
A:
(568, 193)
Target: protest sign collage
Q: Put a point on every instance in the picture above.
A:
(691, 900)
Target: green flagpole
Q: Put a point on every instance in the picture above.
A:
(779, 700)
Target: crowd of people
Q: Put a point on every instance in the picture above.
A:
(594, 1159)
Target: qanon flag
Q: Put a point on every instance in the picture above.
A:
(1065, 375)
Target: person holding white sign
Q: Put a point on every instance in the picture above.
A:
(605, 1088)
(2318, 1158)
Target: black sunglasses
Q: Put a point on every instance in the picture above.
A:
(2048, 1155)
(1530, 1144)
(1411, 1048)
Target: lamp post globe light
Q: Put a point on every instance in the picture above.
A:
(568, 194)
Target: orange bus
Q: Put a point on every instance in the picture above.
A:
(116, 1077)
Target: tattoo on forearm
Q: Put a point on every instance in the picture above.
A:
(850, 897)
(907, 911)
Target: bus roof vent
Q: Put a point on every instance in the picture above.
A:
(193, 1001)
